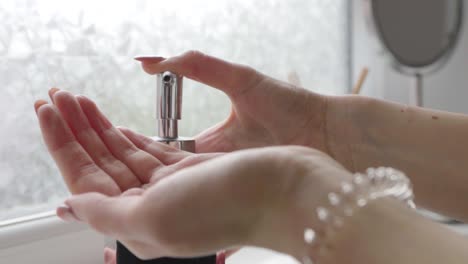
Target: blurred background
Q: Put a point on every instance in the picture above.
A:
(87, 47)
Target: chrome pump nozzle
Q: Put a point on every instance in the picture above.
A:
(168, 104)
(169, 111)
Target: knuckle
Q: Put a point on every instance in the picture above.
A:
(193, 54)
(194, 60)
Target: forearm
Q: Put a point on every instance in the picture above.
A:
(429, 146)
(385, 231)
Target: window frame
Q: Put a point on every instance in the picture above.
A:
(32, 238)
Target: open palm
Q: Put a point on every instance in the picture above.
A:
(95, 156)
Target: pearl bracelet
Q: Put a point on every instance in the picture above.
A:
(363, 188)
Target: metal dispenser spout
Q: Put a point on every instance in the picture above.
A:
(169, 89)
(168, 104)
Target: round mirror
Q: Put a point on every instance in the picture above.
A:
(419, 35)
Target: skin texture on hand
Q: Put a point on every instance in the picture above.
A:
(265, 112)
(77, 135)
(120, 165)
(94, 156)
(82, 140)
(249, 197)
(428, 145)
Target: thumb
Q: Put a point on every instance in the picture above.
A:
(107, 215)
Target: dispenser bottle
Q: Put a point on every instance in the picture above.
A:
(168, 113)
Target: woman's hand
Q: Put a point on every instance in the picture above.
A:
(265, 111)
(358, 132)
(95, 156)
(251, 197)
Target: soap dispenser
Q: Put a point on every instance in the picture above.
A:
(168, 112)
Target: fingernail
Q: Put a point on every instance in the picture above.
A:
(38, 104)
(52, 91)
(149, 58)
(66, 214)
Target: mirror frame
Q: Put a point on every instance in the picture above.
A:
(439, 61)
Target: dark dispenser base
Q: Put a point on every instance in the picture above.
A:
(124, 256)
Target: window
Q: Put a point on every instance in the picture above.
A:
(87, 47)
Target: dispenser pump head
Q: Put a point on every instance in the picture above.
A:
(168, 104)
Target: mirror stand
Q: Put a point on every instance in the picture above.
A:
(416, 91)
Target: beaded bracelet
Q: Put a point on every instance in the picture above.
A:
(363, 188)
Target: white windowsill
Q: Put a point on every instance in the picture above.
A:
(33, 228)
(44, 238)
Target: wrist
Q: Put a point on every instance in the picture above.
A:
(311, 193)
(302, 177)
(346, 119)
(344, 204)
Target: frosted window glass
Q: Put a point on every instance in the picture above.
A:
(87, 47)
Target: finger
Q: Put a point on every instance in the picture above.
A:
(80, 172)
(110, 256)
(143, 164)
(174, 159)
(233, 79)
(66, 214)
(110, 216)
(166, 154)
(51, 92)
(91, 142)
(38, 104)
